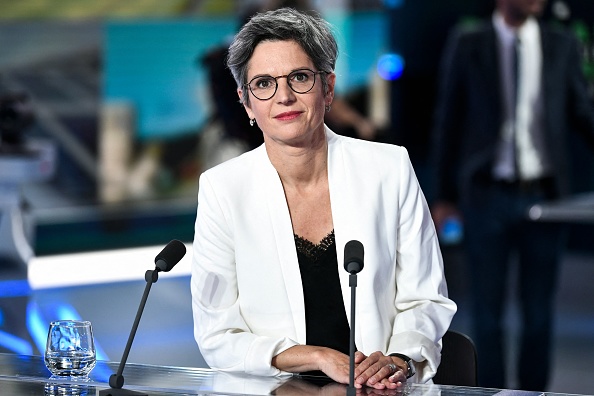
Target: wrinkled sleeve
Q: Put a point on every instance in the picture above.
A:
(221, 332)
(423, 309)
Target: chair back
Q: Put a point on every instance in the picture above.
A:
(458, 361)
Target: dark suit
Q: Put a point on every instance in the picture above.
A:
(468, 123)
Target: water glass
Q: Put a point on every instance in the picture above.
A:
(70, 350)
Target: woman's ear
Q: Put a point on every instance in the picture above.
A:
(248, 110)
(331, 81)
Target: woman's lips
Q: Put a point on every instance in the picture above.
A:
(286, 116)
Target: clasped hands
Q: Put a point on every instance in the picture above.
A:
(376, 370)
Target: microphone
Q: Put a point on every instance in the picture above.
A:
(353, 257)
(164, 262)
(353, 264)
(170, 255)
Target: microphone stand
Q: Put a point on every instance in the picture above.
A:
(353, 263)
(116, 381)
(351, 390)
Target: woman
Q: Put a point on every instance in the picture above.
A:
(268, 295)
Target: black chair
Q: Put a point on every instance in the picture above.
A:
(458, 361)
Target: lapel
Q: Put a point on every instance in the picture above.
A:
(273, 193)
(344, 209)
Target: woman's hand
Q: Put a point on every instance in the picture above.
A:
(301, 358)
(376, 370)
(381, 372)
(336, 365)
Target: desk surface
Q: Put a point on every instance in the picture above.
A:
(27, 375)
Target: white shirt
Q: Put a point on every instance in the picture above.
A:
(526, 119)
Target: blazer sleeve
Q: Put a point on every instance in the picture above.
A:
(223, 337)
(402, 297)
(424, 311)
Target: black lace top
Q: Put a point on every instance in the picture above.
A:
(325, 317)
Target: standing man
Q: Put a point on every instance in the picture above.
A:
(510, 90)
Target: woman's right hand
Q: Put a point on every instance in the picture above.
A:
(336, 365)
(302, 358)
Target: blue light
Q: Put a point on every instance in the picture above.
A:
(66, 312)
(36, 325)
(15, 344)
(393, 3)
(452, 231)
(390, 66)
(14, 288)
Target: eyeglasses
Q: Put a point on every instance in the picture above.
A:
(300, 81)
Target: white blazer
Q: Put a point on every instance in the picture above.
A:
(247, 296)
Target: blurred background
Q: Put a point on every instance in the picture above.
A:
(107, 118)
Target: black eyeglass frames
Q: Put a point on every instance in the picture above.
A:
(300, 81)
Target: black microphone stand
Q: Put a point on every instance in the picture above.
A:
(353, 263)
(116, 381)
(351, 391)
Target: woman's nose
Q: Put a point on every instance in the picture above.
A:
(284, 93)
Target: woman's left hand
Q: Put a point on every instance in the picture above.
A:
(380, 371)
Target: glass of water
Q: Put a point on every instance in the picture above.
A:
(70, 350)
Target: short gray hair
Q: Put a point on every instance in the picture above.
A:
(310, 31)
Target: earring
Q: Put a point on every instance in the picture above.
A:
(252, 121)
(328, 107)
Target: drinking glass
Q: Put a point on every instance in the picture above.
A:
(70, 350)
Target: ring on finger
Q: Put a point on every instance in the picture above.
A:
(392, 367)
